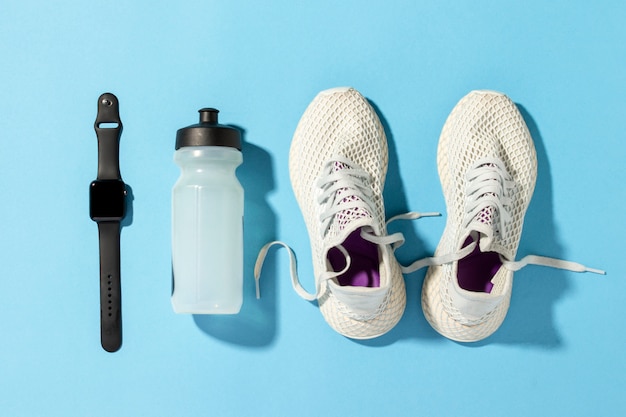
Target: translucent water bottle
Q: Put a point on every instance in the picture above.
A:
(207, 219)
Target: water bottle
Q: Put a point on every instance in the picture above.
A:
(207, 219)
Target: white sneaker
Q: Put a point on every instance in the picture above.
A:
(337, 165)
(488, 167)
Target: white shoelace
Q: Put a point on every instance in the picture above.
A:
(341, 190)
(510, 265)
(395, 241)
(489, 189)
(489, 186)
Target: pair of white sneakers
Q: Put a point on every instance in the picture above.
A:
(487, 166)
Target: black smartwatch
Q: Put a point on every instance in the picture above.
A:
(107, 207)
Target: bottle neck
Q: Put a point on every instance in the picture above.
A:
(208, 157)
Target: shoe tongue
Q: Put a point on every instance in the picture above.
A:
(351, 218)
(485, 224)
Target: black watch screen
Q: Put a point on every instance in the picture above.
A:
(107, 200)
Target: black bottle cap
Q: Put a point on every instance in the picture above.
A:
(208, 132)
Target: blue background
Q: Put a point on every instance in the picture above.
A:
(560, 350)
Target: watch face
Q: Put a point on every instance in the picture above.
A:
(106, 200)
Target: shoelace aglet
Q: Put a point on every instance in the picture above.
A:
(550, 262)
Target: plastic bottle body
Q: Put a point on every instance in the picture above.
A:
(207, 231)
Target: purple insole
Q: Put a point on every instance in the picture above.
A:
(363, 269)
(477, 269)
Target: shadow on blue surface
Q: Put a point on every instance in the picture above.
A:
(255, 325)
(412, 325)
(127, 221)
(530, 320)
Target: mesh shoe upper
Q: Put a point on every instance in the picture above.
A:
(487, 166)
(484, 139)
(337, 165)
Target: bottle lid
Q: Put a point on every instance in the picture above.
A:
(208, 132)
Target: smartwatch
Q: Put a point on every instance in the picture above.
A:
(107, 207)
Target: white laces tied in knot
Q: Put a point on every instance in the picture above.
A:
(489, 187)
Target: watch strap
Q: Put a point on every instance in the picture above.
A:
(110, 288)
(108, 128)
